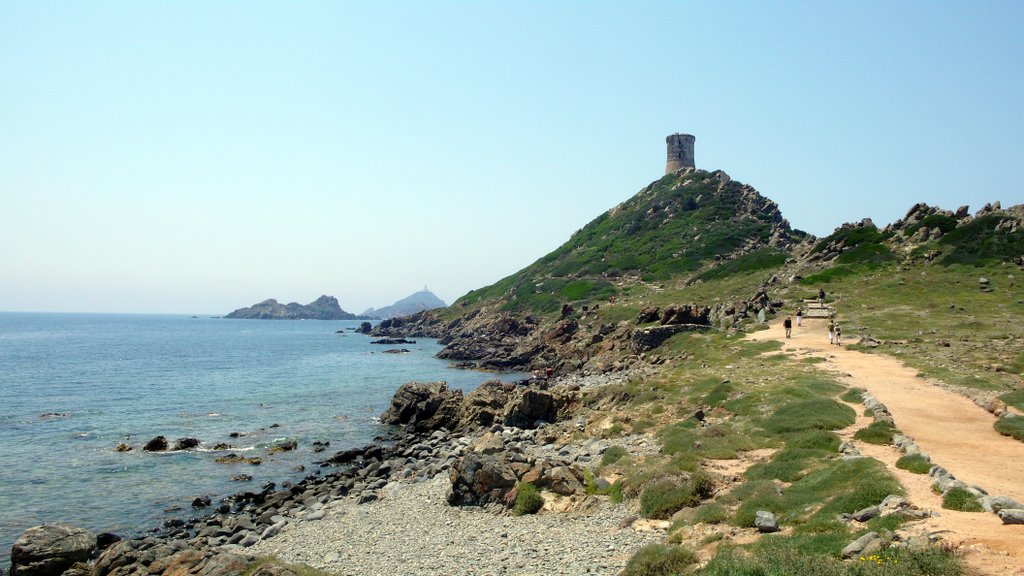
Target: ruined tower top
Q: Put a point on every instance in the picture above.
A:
(680, 152)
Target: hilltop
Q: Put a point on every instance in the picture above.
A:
(411, 304)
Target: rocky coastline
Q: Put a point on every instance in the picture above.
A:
(448, 470)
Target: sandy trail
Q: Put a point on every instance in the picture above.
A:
(955, 432)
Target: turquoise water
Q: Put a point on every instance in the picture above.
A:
(128, 378)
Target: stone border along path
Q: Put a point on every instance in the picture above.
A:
(951, 429)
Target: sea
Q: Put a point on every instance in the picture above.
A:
(74, 386)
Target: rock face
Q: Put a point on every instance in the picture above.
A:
(50, 549)
(416, 302)
(323, 308)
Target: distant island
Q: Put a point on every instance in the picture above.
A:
(417, 302)
(323, 308)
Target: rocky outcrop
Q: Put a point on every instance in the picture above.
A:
(323, 308)
(492, 341)
(50, 549)
(646, 339)
(726, 315)
(424, 407)
(419, 325)
(488, 475)
(166, 559)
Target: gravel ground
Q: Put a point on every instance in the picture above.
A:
(412, 530)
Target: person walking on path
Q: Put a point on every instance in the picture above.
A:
(799, 316)
(821, 296)
(788, 325)
(831, 332)
(839, 332)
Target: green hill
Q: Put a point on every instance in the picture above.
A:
(680, 225)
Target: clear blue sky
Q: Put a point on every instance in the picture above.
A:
(198, 156)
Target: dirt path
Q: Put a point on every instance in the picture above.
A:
(955, 432)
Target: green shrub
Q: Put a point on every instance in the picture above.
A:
(659, 560)
(817, 413)
(720, 393)
(664, 497)
(614, 493)
(1011, 426)
(710, 513)
(853, 396)
(813, 440)
(962, 500)
(1015, 398)
(915, 463)
(528, 500)
(941, 221)
(612, 455)
(877, 432)
(788, 465)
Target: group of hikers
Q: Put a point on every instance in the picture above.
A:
(834, 330)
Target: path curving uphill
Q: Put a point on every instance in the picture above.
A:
(952, 429)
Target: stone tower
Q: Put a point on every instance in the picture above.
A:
(680, 152)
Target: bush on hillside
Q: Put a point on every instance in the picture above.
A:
(816, 413)
(978, 242)
(877, 432)
(664, 497)
(915, 463)
(1011, 426)
(659, 560)
(528, 500)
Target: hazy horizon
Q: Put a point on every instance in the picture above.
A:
(195, 158)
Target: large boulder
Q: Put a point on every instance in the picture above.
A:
(486, 404)
(50, 549)
(563, 480)
(1011, 515)
(479, 479)
(424, 406)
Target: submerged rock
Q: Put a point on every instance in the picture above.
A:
(186, 443)
(158, 444)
